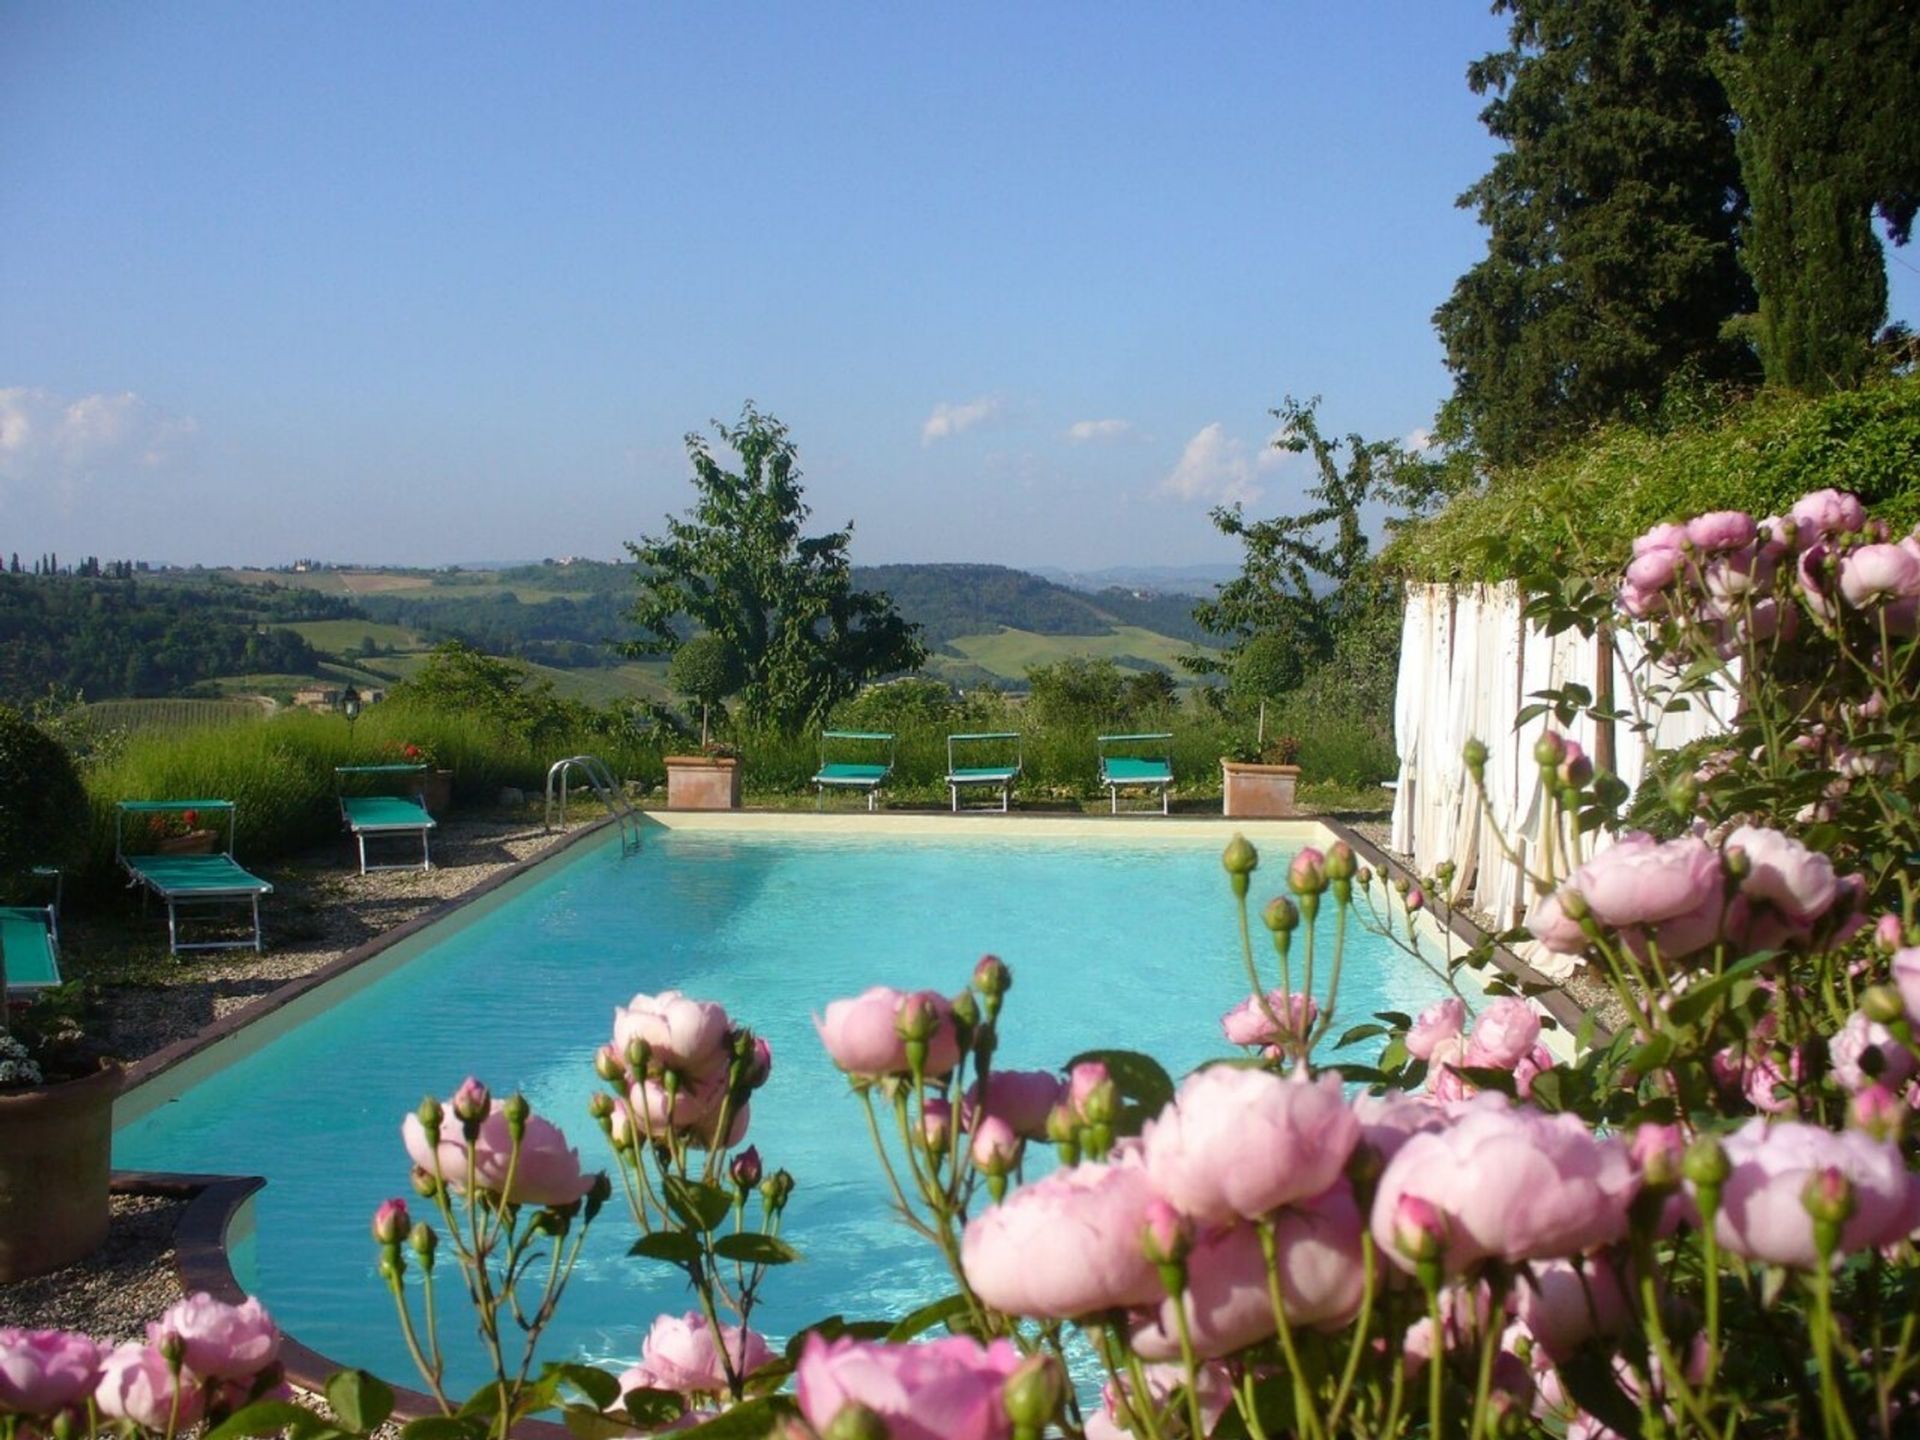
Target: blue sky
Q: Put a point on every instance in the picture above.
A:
(431, 282)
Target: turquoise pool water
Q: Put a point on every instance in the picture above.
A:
(1112, 942)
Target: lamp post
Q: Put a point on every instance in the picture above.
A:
(350, 707)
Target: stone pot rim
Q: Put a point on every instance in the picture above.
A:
(1254, 767)
(702, 762)
(110, 1076)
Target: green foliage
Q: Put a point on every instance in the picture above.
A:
(948, 601)
(134, 638)
(1611, 215)
(704, 670)
(899, 704)
(738, 567)
(1828, 96)
(458, 679)
(1579, 510)
(1075, 691)
(42, 807)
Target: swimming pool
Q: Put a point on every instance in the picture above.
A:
(1117, 936)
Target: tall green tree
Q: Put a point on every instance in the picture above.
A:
(1612, 215)
(737, 566)
(1828, 93)
(1305, 577)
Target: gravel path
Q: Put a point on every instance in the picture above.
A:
(321, 908)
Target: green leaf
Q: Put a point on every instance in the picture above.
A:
(927, 1316)
(588, 1423)
(669, 1245)
(832, 1327)
(596, 1384)
(653, 1408)
(359, 1401)
(1700, 998)
(1359, 1033)
(702, 1206)
(1590, 1380)
(1650, 1056)
(755, 1249)
(1394, 1018)
(1486, 1077)
(263, 1417)
(749, 1420)
(442, 1427)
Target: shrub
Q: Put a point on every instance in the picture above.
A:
(43, 815)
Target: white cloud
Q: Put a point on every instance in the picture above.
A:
(1082, 431)
(48, 436)
(1420, 441)
(950, 420)
(1214, 466)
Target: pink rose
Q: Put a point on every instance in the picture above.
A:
(1504, 1035)
(692, 1113)
(1565, 1302)
(1441, 1020)
(680, 1354)
(936, 1390)
(1721, 530)
(1654, 570)
(224, 1342)
(137, 1384)
(1238, 1143)
(996, 1148)
(1317, 1247)
(1022, 1098)
(1762, 1216)
(685, 1035)
(1666, 536)
(1163, 1382)
(43, 1371)
(1849, 1048)
(1875, 574)
(546, 1173)
(1066, 1246)
(1253, 1020)
(1669, 892)
(1825, 515)
(1513, 1183)
(1388, 1121)
(863, 1039)
(1796, 881)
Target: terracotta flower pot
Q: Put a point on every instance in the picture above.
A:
(1257, 790)
(56, 1155)
(436, 791)
(194, 842)
(703, 782)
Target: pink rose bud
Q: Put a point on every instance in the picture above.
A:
(936, 1125)
(1657, 1150)
(1549, 750)
(1416, 898)
(471, 1102)
(744, 1170)
(1877, 1111)
(916, 1018)
(1035, 1393)
(390, 1222)
(1340, 862)
(1165, 1234)
(1082, 1081)
(1419, 1229)
(991, 976)
(608, 1065)
(1281, 915)
(1888, 934)
(854, 1421)
(996, 1149)
(1062, 1122)
(759, 1064)
(1307, 875)
(1828, 1196)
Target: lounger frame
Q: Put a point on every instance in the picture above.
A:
(848, 775)
(1002, 776)
(156, 875)
(383, 819)
(1136, 772)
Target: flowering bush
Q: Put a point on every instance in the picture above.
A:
(1702, 1225)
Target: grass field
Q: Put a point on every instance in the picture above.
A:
(646, 679)
(1010, 653)
(174, 714)
(334, 582)
(343, 637)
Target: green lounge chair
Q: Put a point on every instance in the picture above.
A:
(197, 881)
(382, 816)
(988, 751)
(865, 774)
(30, 944)
(1132, 770)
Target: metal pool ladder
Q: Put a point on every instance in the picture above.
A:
(594, 769)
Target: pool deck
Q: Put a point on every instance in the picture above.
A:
(215, 1206)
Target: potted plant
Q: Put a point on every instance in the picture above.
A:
(436, 784)
(56, 1142)
(704, 671)
(1258, 778)
(181, 833)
